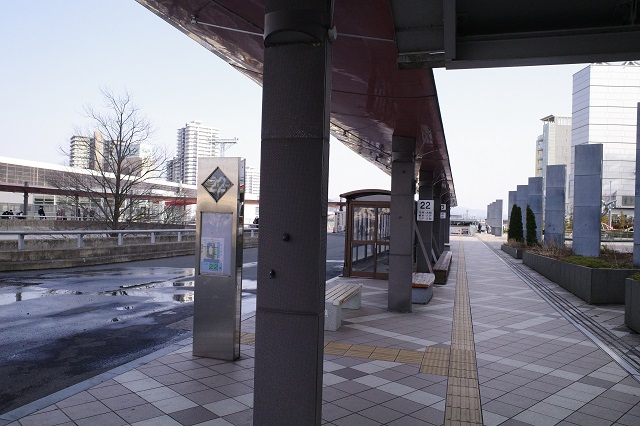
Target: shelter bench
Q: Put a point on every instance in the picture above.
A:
(441, 268)
(348, 296)
(422, 287)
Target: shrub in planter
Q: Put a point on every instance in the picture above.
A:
(532, 228)
(516, 232)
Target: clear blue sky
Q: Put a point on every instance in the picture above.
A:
(56, 56)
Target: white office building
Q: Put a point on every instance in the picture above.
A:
(605, 99)
(553, 146)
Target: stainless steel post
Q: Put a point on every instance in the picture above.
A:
(218, 279)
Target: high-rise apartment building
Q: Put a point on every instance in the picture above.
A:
(194, 140)
(605, 99)
(252, 181)
(86, 152)
(553, 146)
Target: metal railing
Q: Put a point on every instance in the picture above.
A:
(81, 233)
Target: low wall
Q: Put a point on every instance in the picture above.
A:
(632, 304)
(593, 285)
(73, 225)
(67, 258)
(516, 253)
(62, 252)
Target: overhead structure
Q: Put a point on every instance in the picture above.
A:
(372, 99)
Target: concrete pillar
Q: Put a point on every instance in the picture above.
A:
(25, 199)
(425, 192)
(443, 220)
(497, 211)
(488, 215)
(447, 229)
(636, 235)
(535, 202)
(292, 248)
(587, 210)
(437, 230)
(402, 217)
(512, 201)
(522, 199)
(554, 205)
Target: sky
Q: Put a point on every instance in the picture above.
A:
(57, 55)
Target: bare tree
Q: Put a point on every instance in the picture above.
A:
(112, 164)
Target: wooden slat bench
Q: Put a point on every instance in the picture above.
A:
(348, 296)
(441, 268)
(422, 287)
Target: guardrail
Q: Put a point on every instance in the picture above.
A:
(81, 233)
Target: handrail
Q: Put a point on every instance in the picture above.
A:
(81, 233)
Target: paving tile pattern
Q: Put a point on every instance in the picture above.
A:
(485, 332)
(534, 366)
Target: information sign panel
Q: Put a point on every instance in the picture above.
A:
(424, 211)
(215, 244)
(443, 215)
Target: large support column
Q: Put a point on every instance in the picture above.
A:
(293, 213)
(447, 228)
(535, 202)
(636, 235)
(587, 202)
(487, 220)
(443, 220)
(554, 206)
(522, 199)
(497, 211)
(425, 192)
(402, 217)
(437, 229)
(512, 201)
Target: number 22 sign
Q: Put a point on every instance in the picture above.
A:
(424, 212)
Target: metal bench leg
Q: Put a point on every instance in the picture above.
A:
(332, 317)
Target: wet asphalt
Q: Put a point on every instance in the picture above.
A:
(60, 327)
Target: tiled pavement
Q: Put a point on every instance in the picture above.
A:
(486, 349)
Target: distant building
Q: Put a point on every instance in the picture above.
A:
(553, 146)
(86, 152)
(252, 181)
(605, 98)
(194, 140)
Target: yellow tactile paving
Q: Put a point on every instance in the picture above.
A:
(248, 338)
(436, 361)
(463, 390)
(410, 357)
(385, 354)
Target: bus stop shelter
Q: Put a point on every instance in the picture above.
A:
(362, 71)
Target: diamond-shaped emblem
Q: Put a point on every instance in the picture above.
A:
(217, 184)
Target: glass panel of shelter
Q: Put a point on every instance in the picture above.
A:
(370, 241)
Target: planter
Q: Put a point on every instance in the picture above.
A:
(593, 285)
(632, 304)
(516, 253)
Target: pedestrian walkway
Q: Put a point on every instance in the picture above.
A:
(489, 348)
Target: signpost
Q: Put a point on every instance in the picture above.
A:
(424, 212)
(218, 280)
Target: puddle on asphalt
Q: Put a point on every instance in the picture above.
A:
(180, 291)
